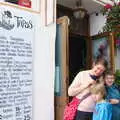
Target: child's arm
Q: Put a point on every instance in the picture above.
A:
(114, 101)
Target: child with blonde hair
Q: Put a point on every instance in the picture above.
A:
(103, 109)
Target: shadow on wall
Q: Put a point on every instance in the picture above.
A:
(25, 3)
(12, 1)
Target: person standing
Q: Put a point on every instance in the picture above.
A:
(81, 86)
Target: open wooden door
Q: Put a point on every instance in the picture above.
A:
(61, 67)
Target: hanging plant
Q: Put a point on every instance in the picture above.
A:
(112, 13)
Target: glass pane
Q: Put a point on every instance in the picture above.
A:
(101, 48)
(117, 60)
(117, 52)
(58, 74)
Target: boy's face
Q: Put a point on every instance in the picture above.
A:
(109, 80)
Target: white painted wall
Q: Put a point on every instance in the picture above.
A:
(43, 78)
(36, 5)
(43, 87)
(96, 23)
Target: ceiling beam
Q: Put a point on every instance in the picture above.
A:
(103, 2)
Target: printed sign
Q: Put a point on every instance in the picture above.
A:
(16, 44)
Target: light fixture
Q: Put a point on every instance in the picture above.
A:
(79, 12)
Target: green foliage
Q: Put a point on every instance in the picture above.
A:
(112, 14)
(117, 77)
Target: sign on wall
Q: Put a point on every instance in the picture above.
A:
(16, 44)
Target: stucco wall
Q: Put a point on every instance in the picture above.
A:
(96, 23)
(43, 79)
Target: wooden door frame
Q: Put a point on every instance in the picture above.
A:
(64, 21)
(63, 99)
(113, 47)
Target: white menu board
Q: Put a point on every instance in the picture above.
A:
(16, 44)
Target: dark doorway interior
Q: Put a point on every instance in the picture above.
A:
(77, 55)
